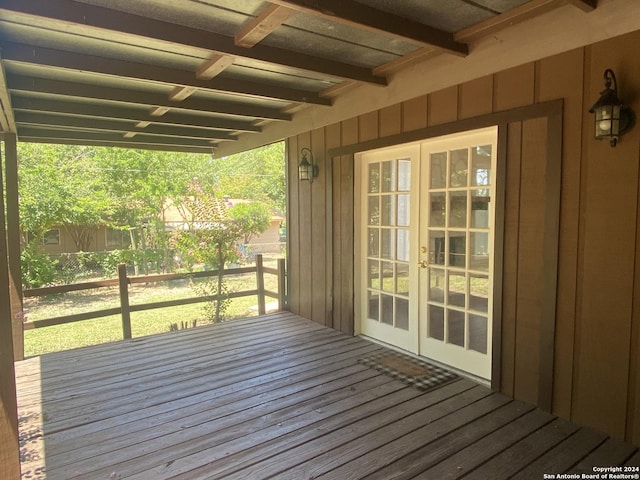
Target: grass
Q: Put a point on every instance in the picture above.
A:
(109, 329)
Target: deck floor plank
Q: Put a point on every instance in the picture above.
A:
(111, 390)
(394, 440)
(139, 357)
(198, 406)
(468, 459)
(610, 453)
(383, 465)
(336, 447)
(564, 456)
(276, 397)
(90, 408)
(143, 356)
(634, 461)
(237, 388)
(516, 457)
(96, 355)
(251, 450)
(208, 422)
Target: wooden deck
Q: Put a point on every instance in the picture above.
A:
(277, 397)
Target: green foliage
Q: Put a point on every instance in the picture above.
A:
(254, 175)
(38, 269)
(56, 190)
(79, 188)
(216, 310)
(211, 238)
(253, 218)
(139, 181)
(110, 260)
(174, 327)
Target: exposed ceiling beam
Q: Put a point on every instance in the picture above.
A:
(519, 14)
(59, 134)
(256, 29)
(179, 94)
(416, 56)
(133, 114)
(56, 87)
(123, 143)
(84, 18)
(158, 111)
(45, 119)
(214, 67)
(47, 57)
(509, 18)
(358, 15)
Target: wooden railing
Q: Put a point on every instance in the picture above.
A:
(123, 281)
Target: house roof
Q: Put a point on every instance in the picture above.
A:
(224, 75)
(171, 214)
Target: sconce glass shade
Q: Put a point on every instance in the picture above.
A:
(306, 170)
(611, 118)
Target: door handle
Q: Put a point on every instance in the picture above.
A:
(423, 264)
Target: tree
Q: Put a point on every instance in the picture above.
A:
(140, 181)
(79, 188)
(54, 189)
(253, 218)
(254, 175)
(212, 235)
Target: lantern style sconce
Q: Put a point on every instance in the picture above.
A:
(307, 170)
(612, 118)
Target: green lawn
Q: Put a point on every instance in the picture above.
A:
(148, 322)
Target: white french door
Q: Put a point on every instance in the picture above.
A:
(425, 249)
(388, 209)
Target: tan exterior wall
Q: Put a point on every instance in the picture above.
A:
(67, 245)
(594, 375)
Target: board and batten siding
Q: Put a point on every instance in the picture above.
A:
(574, 350)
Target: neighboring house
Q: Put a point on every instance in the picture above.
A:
(57, 240)
(175, 218)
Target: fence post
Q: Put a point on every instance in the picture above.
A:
(282, 285)
(260, 282)
(124, 300)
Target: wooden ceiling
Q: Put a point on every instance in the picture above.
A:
(192, 75)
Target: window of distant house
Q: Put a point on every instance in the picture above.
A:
(50, 237)
(118, 239)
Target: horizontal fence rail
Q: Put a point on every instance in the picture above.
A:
(124, 281)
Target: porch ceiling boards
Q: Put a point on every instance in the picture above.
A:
(191, 75)
(277, 397)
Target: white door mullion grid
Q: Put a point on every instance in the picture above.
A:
(449, 307)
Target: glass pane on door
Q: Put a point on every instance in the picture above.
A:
(458, 238)
(388, 225)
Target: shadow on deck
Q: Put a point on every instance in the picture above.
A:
(278, 397)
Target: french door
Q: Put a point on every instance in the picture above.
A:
(425, 250)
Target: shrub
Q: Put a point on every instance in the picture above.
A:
(38, 269)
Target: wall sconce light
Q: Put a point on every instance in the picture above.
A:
(612, 118)
(306, 170)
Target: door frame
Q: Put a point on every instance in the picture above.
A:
(552, 111)
(413, 340)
